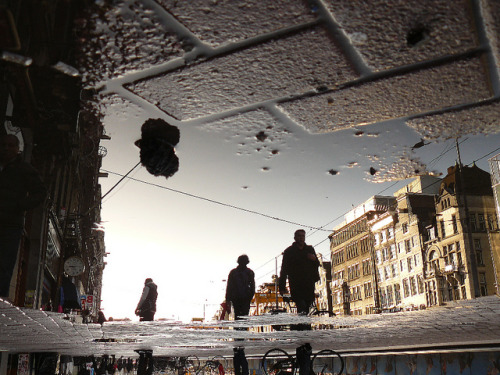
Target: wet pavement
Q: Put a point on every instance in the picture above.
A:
(464, 326)
(327, 67)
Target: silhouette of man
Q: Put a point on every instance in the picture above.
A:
(146, 308)
(21, 189)
(240, 361)
(300, 266)
(240, 287)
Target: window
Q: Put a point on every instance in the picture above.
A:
(356, 293)
(420, 280)
(431, 233)
(482, 284)
(409, 260)
(473, 225)
(389, 295)
(391, 232)
(338, 257)
(479, 258)
(339, 275)
(364, 244)
(377, 239)
(477, 244)
(394, 269)
(460, 262)
(393, 251)
(387, 272)
(404, 227)
(402, 265)
(413, 286)
(383, 297)
(414, 241)
(406, 288)
(383, 236)
(479, 252)
(492, 221)
(380, 275)
(443, 228)
(367, 268)
(416, 260)
(352, 250)
(368, 289)
(353, 271)
(337, 298)
(386, 254)
(378, 257)
(397, 293)
(482, 223)
(454, 223)
(407, 246)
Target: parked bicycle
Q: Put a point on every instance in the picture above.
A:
(176, 365)
(214, 366)
(325, 362)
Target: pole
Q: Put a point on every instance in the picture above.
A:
(473, 264)
(276, 280)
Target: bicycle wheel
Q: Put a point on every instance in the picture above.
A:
(326, 361)
(192, 364)
(278, 362)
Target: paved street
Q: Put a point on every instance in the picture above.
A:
(467, 324)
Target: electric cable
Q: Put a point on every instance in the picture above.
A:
(212, 201)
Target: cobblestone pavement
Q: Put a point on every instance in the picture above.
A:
(470, 324)
(325, 66)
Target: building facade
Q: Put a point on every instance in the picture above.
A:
(41, 104)
(354, 280)
(463, 242)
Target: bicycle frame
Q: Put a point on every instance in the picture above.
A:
(282, 363)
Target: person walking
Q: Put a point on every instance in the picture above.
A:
(300, 265)
(240, 287)
(21, 189)
(146, 308)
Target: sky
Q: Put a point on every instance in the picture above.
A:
(228, 199)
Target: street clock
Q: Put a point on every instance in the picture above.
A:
(74, 266)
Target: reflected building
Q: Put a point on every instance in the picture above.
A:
(354, 279)
(436, 240)
(415, 212)
(464, 238)
(43, 103)
(495, 242)
(323, 291)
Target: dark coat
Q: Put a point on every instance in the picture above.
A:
(302, 272)
(21, 189)
(240, 285)
(148, 304)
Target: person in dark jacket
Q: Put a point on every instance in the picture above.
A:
(21, 189)
(240, 287)
(146, 308)
(300, 266)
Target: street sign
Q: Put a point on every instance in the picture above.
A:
(87, 301)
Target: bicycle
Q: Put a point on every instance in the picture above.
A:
(278, 362)
(176, 365)
(213, 366)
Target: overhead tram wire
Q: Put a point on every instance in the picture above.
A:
(209, 200)
(447, 149)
